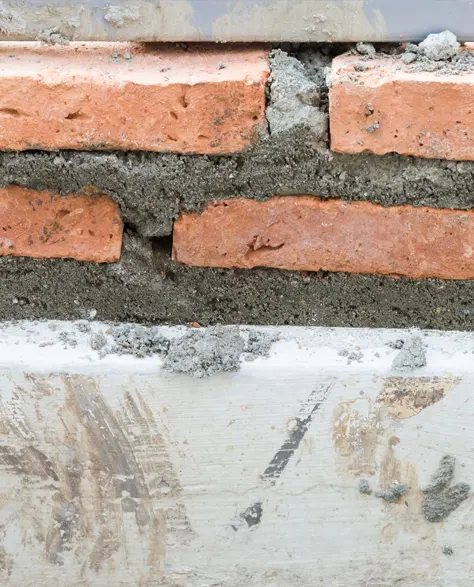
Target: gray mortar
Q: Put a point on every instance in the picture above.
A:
(202, 353)
(294, 98)
(257, 344)
(364, 487)
(198, 352)
(438, 53)
(439, 498)
(411, 356)
(393, 494)
(137, 340)
(98, 341)
(443, 475)
(366, 49)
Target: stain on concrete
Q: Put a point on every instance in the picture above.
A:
(440, 498)
(357, 429)
(27, 461)
(405, 397)
(301, 425)
(6, 563)
(411, 356)
(253, 514)
(112, 476)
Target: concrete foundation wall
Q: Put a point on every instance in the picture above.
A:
(323, 463)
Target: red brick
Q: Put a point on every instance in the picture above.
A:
(414, 113)
(207, 99)
(308, 234)
(45, 225)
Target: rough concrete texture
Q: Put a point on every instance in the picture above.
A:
(439, 498)
(411, 356)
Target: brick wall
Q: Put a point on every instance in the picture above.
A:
(247, 158)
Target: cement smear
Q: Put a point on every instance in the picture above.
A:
(393, 494)
(440, 498)
(202, 353)
(198, 352)
(411, 356)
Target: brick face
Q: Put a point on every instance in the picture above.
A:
(93, 96)
(390, 109)
(306, 233)
(45, 225)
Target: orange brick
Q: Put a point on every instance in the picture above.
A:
(308, 234)
(94, 96)
(388, 109)
(45, 225)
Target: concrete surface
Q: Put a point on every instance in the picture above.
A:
(233, 20)
(316, 465)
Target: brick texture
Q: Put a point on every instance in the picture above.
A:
(306, 233)
(92, 96)
(45, 225)
(389, 108)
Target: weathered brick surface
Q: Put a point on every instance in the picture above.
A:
(389, 109)
(45, 225)
(305, 233)
(124, 96)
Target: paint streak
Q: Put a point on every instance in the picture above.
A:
(253, 514)
(302, 423)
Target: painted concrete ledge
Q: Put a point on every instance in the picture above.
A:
(317, 463)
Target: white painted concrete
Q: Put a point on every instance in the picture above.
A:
(115, 473)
